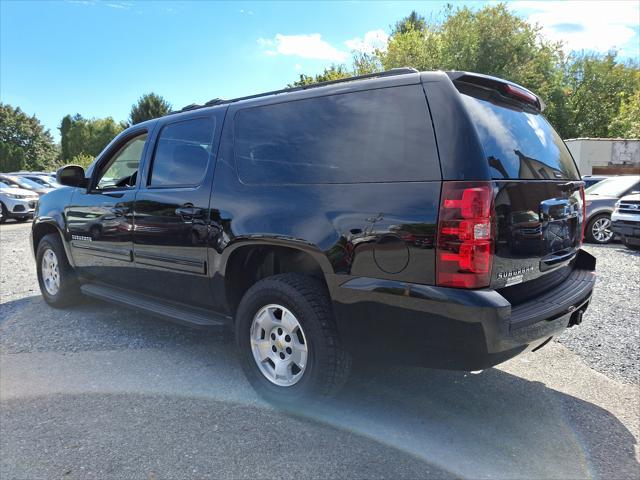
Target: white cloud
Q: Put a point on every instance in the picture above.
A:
(586, 25)
(298, 66)
(305, 46)
(373, 40)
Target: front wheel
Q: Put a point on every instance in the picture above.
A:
(57, 280)
(599, 229)
(288, 342)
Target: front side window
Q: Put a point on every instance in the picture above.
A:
(121, 170)
(182, 153)
(382, 135)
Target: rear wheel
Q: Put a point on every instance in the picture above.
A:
(58, 282)
(3, 213)
(599, 229)
(288, 342)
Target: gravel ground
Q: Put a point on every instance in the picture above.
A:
(609, 337)
(98, 391)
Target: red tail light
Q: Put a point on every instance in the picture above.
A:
(465, 238)
(584, 213)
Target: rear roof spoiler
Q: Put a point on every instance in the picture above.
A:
(505, 87)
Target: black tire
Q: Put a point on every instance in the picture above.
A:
(3, 213)
(328, 363)
(589, 230)
(69, 290)
(630, 246)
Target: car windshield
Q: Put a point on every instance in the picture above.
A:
(612, 187)
(26, 183)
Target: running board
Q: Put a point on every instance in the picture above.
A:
(176, 313)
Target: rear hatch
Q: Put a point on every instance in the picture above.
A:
(538, 194)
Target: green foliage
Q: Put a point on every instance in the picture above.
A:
(627, 123)
(82, 136)
(412, 22)
(334, 72)
(82, 159)
(149, 106)
(24, 142)
(596, 88)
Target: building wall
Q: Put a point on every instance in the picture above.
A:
(602, 155)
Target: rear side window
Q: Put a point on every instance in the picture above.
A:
(380, 135)
(519, 144)
(182, 153)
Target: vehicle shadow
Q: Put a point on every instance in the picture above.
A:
(492, 425)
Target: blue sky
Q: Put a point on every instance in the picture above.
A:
(97, 57)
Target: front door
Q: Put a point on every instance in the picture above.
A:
(100, 217)
(172, 212)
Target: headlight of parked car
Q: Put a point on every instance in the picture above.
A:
(15, 195)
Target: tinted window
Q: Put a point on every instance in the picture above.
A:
(374, 136)
(182, 153)
(519, 144)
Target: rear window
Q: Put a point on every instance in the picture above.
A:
(382, 135)
(519, 144)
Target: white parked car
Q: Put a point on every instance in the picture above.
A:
(625, 220)
(17, 203)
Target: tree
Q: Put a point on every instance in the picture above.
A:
(24, 142)
(148, 106)
(82, 159)
(627, 123)
(82, 136)
(597, 86)
(412, 22)
(334, 72)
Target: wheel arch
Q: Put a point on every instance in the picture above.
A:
(246, 262)
(45, 226)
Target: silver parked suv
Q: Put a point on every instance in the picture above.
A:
(625, 220)
(16, 203)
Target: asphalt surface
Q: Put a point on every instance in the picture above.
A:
(97, 391)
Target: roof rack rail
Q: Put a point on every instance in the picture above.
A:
(217, 101)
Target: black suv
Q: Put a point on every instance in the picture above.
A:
(423, 217)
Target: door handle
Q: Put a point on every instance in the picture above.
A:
(188, 212)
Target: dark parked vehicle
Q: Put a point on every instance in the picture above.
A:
(601, 200)
(429, 218)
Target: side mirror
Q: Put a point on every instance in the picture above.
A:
(71, 176)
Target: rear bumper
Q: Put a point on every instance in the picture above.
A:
(453, 328)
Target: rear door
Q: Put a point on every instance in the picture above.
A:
(538, 199)
(172, 210)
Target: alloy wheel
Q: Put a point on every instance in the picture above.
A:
(601, 230)
(279, 345)
(50, 272)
